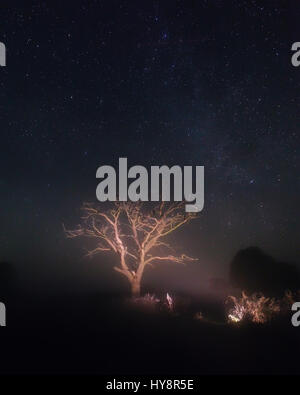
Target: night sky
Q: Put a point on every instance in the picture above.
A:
(159, 82)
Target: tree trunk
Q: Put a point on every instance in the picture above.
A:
(135, 288)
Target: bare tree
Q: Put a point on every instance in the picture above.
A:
(135, 235)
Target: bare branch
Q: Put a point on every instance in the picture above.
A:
(178, 259)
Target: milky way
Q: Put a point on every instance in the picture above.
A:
(187, 83)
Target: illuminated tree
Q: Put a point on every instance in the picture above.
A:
(135, 235)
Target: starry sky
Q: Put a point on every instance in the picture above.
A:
(159, 82)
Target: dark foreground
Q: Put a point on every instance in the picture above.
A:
(97, 334)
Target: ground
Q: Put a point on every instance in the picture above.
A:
(98, 334)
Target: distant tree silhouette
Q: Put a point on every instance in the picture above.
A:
(254, 271)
